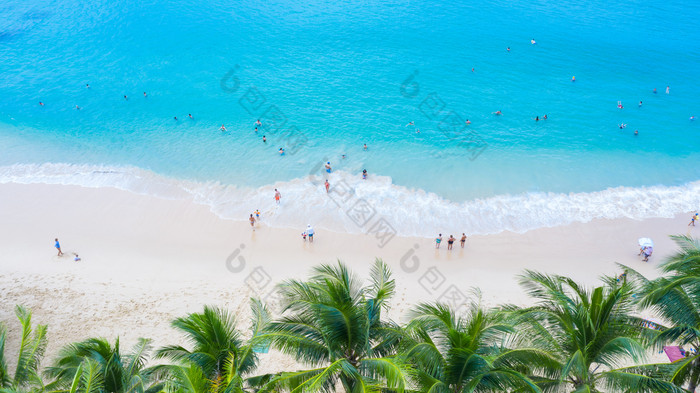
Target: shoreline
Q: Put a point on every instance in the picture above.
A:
(146, 260)
(407, 211)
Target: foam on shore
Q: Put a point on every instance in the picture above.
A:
(354, 205)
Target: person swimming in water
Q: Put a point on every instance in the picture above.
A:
(256, 129)
(126, 98)
(619, 105)
(497, 113)
(264, 139)
(258, 123)
(654, 90)
(692, 118)
(145, 95)
(573, 79)
(281, 151)
(640, 104)
(222, 128)
(508, 49)
(364, 146)
(417, 130)
(668, 89)
(468, 122)
(328, 167)
(636, 132)
(175, 117)
(364, 174)
(622, 125)
(532, 41)
(410, 123)
(545, 117)
(190, 116)
(87, 85)
(77, 108)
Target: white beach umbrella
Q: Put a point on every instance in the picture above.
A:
(645, 242)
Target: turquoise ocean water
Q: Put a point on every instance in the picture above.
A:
(339, 75)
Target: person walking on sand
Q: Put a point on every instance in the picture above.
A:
(693, 219)
(438, 240)
(277, 196)
(252, 221)
(310, 233)
(463, 239)
(450, 241)
(327, 186)
(58, 247)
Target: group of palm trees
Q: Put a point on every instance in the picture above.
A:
(572, 339)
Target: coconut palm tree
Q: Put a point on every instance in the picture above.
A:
(588, 335)
(103, 367)
(675, 297)
(31, 350)
(218, 350)
(465, 353)
(333, 323)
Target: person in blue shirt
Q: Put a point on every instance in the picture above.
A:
(58, 247)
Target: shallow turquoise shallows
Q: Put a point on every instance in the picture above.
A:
(326, 77)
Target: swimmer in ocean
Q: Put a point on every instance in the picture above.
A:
(175, 117)
(145, 95)
(622, 126)
(472, 69)
(258, 123)
(77, 108)
(636, 132)
(667, 89)
(256, 129)
(655, 90)
(281, 151)
(264, 139)
(328, 167)
(468, 122)
(417, 131)
(573, 79)
(190, 115)
(364, 174)
(364, 146)
(640, 104)
(126, 98)
(508, 49)
(692, 118)
(222, 128)
(87, 85)
(619, 105)
(545, 117)
(532, 41)
(497, 113)
(409, 124)
(537, 118)
(41, 103)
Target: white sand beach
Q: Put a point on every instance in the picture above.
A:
(147, 260)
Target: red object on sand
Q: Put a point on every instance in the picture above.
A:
(673, 353)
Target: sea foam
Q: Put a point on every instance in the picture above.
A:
(354, 204)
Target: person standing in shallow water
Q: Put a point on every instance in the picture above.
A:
(438, 240)
(450, 241)
(252, 221)
(277, 196)
(463, 239)
(58, 247)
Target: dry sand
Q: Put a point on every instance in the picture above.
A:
(147, 260)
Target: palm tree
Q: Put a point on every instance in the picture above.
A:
(466, 353)
(31, 350)
(218, 350)
(675, 297)
(587, 334)
(333, 324)
(95, 363)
